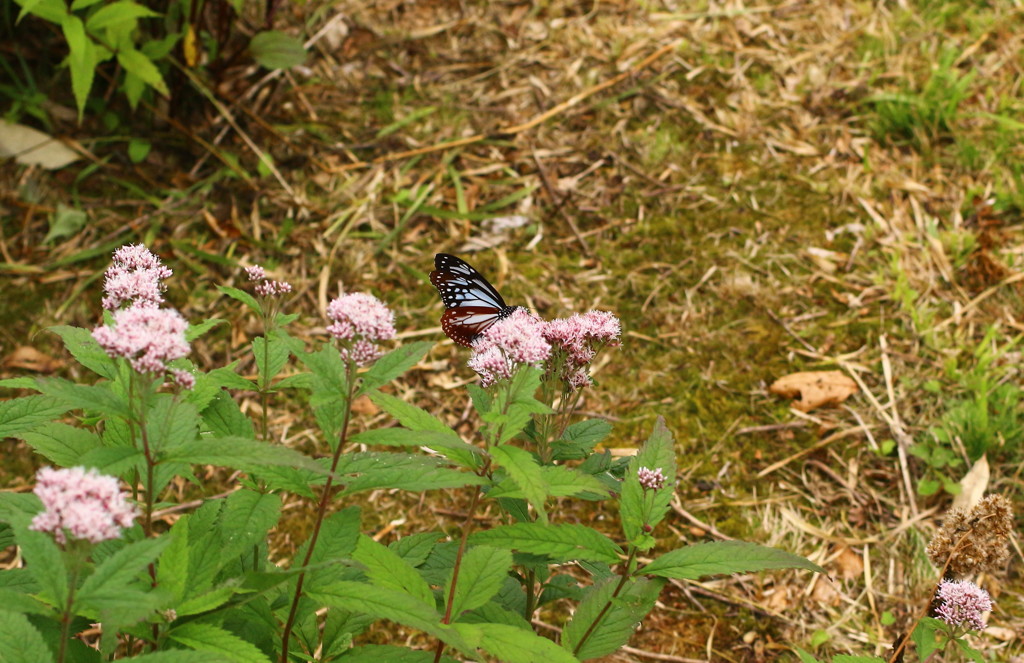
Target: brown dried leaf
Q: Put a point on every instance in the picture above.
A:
(849, 564)
(364, 405)
(30, 359)
(814, 389)
(973, 485)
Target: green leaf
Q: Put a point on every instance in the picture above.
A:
(580, 438)
(641, 510)
(119, 569)
(49, 10)
(561, 481)
(561, 542)
(136, 63)
(482, 574)
(179, 656)
(240, 453)
(86, 351)
(65, 222)
(276, 50)
(82, 62)
(213, 639)
(223, 418)
(617, 618)
(367, 471)
(389, 654)
(514, 407)
(20, 642)
(339, 535)
(170, 423)
(46, 564)
(122, 11)
(926, 637)
(28, 412)
(410, 416)
(240, 296)
(385, 568)
(415, 548)
(393, 364)
(245, 519)
(403, 437)
(98, 398)
(716, 557)
(60, 443)
(514, 645)
(382, 603)
(524, 470)
(138, 150)
(271, 354)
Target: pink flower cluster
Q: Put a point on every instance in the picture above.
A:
(359, 321)
(651, 479)
(577, 339)
(266, 287)
(509, 342)
(963, 604)
(82, 503)
(135, 277)
(148, 337)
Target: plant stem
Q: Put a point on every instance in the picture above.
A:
(321, 512)
(466, 529)
(531, 596)
(65, 620)
(607, 606)
(265, 380)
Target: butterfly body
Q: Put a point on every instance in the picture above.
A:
(472, 304)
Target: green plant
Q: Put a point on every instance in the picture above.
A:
(205, 589)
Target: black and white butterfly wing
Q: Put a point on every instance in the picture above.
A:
(460, 285)
(472, 303)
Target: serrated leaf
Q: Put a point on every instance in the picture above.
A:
(20, 642)
(392, 365)
(926, 637)
(416, 547)
(245, 519)
(60, 443)
(560, 542)
(403, 437)
(27, 412)
(97, 398)
(271, 354)
(240, 296)
(616, 618)
(410, 416)
(717, 557)
(367, 471)
(580, 438)
(524, 470)
(385, 568)
(136, 63)
(382, 603)
(213, 639)
(339, 535)
(514, 407)
(119, 569)
(389, 654)
(179, 656)
(240, 453)
(513, 645)
(223, 418)
(170, 423)
(641, 510)
(482, 574)
(115, 13)
(86, 351)
(276, 50)
(561, 481)
(46, 564)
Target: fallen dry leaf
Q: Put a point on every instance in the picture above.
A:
(814, 389)
(849, 564)
(364, 405)
(973, 485)
(28, 358)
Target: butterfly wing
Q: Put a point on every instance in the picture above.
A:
(464, 324)
(460, 285)
(472, 303)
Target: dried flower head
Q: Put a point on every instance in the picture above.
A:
(359, 320)
(651, 479)
(962, 603)
(577, 339)
(974, 541)
(146, 336)
(135, 277)
(266, 287)
(81, 503)
(509, 342)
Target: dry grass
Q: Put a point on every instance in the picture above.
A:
(747, 203)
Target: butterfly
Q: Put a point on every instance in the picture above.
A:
(472, 304)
